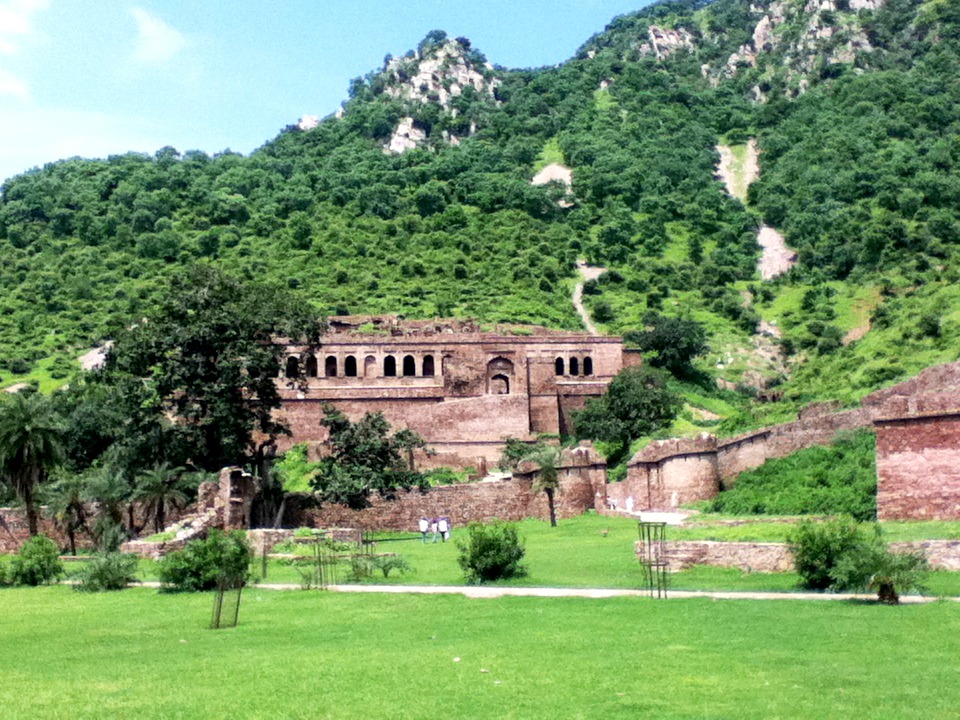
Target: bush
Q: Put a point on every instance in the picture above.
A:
(818, 547)
(362, 567)
(841, 555)
(37, 563)
(871, 566)
(202, 563)
(109, 571)
(491, 552)
(840, 479)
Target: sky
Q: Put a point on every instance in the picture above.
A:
(92, 78)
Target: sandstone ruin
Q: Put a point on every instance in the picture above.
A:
(463, 388)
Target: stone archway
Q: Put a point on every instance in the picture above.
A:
(499, 376)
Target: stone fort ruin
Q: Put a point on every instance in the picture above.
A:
(461, 386)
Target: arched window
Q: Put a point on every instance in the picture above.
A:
(428, 366)
(293, 367)
(370, 366)
(588, 366)
(574, 366)
(558, 366)
(311, 366)
(499, 385)
(389, 366)
(350, 366)
(409, 366)
(330, 366)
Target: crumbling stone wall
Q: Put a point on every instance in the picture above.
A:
(776, 557)
(918, 458)
(511, 500)
(469, 388)
(669, 473)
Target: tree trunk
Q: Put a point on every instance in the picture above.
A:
(71, 538)
(887, 594)
(32, 524)
(160, 517)
(553, 509)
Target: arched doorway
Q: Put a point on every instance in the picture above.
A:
(588, 366)
(499, 376)
(330, 366)
(428, 369)
(311, 366)
(389, 366)
(558, 366)
(293, 367)
(574, 366)
(409, 366)
(350, 366)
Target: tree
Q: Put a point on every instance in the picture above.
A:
(202, 368)
(364, 458)
(65, 497)
(637, 403)
(548, 479)
(158, 489)
(674, 342)
(30, 446)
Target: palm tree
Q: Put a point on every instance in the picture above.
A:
(31, 445)
(66, 500)
(158, 489)
(548, 479)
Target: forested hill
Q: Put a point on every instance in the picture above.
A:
(417, 197)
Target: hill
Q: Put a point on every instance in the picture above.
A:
(417, 199)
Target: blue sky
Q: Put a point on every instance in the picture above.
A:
(98, 77)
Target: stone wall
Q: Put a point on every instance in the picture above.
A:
(776, 557)
(669, 473)
(581, 488)
(918, 460)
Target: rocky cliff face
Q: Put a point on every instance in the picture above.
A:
(800, 36)
(449, 75)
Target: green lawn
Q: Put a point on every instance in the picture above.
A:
(327, 655)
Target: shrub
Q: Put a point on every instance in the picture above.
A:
(202, 563)
(388, 563)
(840, 479)
(491, 552)
(818, 547)
(109, 571)
(871, 566)
(37, 563)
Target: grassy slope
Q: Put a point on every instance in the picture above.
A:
(335, 656)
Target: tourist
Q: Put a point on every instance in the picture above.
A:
(434, 528)
(443, 525)
(424, 527)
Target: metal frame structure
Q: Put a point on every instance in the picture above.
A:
(653, 558)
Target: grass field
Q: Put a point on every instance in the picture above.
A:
(326, 655)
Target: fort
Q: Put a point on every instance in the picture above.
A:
(461, 386)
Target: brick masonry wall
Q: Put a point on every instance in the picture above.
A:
(775, 557)
(918, 468)
(511, 500)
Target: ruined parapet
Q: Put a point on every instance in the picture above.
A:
(237, 489)
(669, 473)
(918, 457)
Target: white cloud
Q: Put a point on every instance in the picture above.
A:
(157, 42)
(16, 24)
(34, 136)
(12, 86)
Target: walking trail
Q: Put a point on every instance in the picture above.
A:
(489, 592)
(587, 272)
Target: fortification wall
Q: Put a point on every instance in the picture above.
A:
(918, 466)
(511, 500)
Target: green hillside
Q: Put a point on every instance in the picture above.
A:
(856, 112)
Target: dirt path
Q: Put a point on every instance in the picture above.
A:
(737, 175)
(587, 272)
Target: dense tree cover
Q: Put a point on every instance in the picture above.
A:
(365, 458)
(859, 172)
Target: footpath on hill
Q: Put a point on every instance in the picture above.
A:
(496, 591)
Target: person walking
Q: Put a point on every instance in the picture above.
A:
(443, 525)
(424, 525)
(434, 528)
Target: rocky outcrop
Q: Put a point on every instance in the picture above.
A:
(663, 42)
(442, 74)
